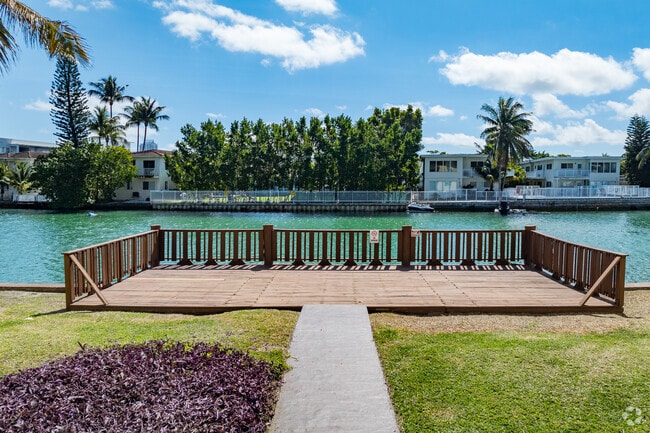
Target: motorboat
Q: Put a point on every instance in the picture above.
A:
(419, 207)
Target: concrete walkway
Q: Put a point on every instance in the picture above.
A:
(336, 383)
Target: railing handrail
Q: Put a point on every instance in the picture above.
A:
(96, 267)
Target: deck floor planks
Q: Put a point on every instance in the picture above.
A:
(207, 289)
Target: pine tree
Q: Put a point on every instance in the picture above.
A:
(70, 113)
(637, 144)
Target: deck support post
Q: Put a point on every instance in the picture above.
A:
(526, 244)
(67, 271)
(267, 245)
(158, 244)
(406, 245)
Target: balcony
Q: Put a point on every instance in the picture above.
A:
(147, 172)
(572, 174)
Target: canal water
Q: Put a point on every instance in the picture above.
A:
(31, 242)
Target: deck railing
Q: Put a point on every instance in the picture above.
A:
(584, 268)
(588, 269)
(97, 267)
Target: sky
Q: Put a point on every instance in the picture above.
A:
(580, 67)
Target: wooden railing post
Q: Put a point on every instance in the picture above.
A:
(620, 282)
(68, 280)
(526, 244)
(157, 244)
(406, 245)
(267, 245)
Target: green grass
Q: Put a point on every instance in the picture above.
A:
(34, 328)
(516, 381)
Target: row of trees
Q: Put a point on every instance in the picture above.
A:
(378, 153)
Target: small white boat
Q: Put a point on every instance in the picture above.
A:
(419, 207)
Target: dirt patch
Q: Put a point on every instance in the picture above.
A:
(636, 316)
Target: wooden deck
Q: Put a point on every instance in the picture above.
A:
(416, 289)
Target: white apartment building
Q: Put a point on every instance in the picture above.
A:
(569, 172)
(451, 172)
(151, 174)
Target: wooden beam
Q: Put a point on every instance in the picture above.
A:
(599, 281)
(86, 276)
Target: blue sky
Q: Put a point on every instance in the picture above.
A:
(582, 67)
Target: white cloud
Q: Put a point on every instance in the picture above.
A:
(215, 115)
(640, 104)
(341, 107)
(641, 59)
(442, 56)
(427, 110)
(315, 112)
(545, 104)
(38, 105)
(307, 7)
(575, 134)
(563, 73)
(238, 32)
(457, 139)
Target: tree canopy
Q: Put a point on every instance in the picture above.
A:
(379, 153)
(637, 151)
(69, 100)
(56, 37)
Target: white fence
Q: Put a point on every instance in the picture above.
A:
(276, 196)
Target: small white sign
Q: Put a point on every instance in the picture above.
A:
(374, 236)
(415, 233)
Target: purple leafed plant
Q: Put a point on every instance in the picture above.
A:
(159, 386)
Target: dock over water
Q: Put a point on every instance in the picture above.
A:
(202, 271)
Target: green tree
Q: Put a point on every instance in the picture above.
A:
(637, 151)
(56, 37)
(112, 168)
(109, 92)
(107, 129)
(62, 176)
(195, 164)
(20, 177)
(4, 179)
(489, 170)
(74, 177)
(144, 111)
(70, 113)
(506, 128)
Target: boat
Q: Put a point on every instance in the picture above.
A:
(419, 207)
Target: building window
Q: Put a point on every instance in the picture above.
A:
(443, 166)
(527, 168)
(149, 167)
(549, 184)
(538, 167)
(476, 164)
(549, 166)
(145, 185)
(603, 167)
(566, 165)
(129, 186)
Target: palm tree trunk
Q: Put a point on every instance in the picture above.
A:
(137, 143)
(144, 139)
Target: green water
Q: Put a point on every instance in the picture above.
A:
(31, 242)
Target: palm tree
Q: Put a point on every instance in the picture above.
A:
(144, 111)
(4, 179)
(56, 37)
(134, 116)
(21, 177)
(107, 128)
(506, 129)
(108, 91)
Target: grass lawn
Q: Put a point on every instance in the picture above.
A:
(516, 378)
(34, 327)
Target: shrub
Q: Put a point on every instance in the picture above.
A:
(160, 386)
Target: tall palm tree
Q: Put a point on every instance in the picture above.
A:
(134, 117)
(145, 111)
(56, 37)
(108, 91)
(506, 128)
(21, 177)
(107, 128)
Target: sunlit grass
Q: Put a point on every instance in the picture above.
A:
(34, 328)
(519, 381)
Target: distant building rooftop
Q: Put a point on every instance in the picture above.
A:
(13, 145)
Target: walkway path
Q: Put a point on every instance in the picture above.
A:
(336, 383)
